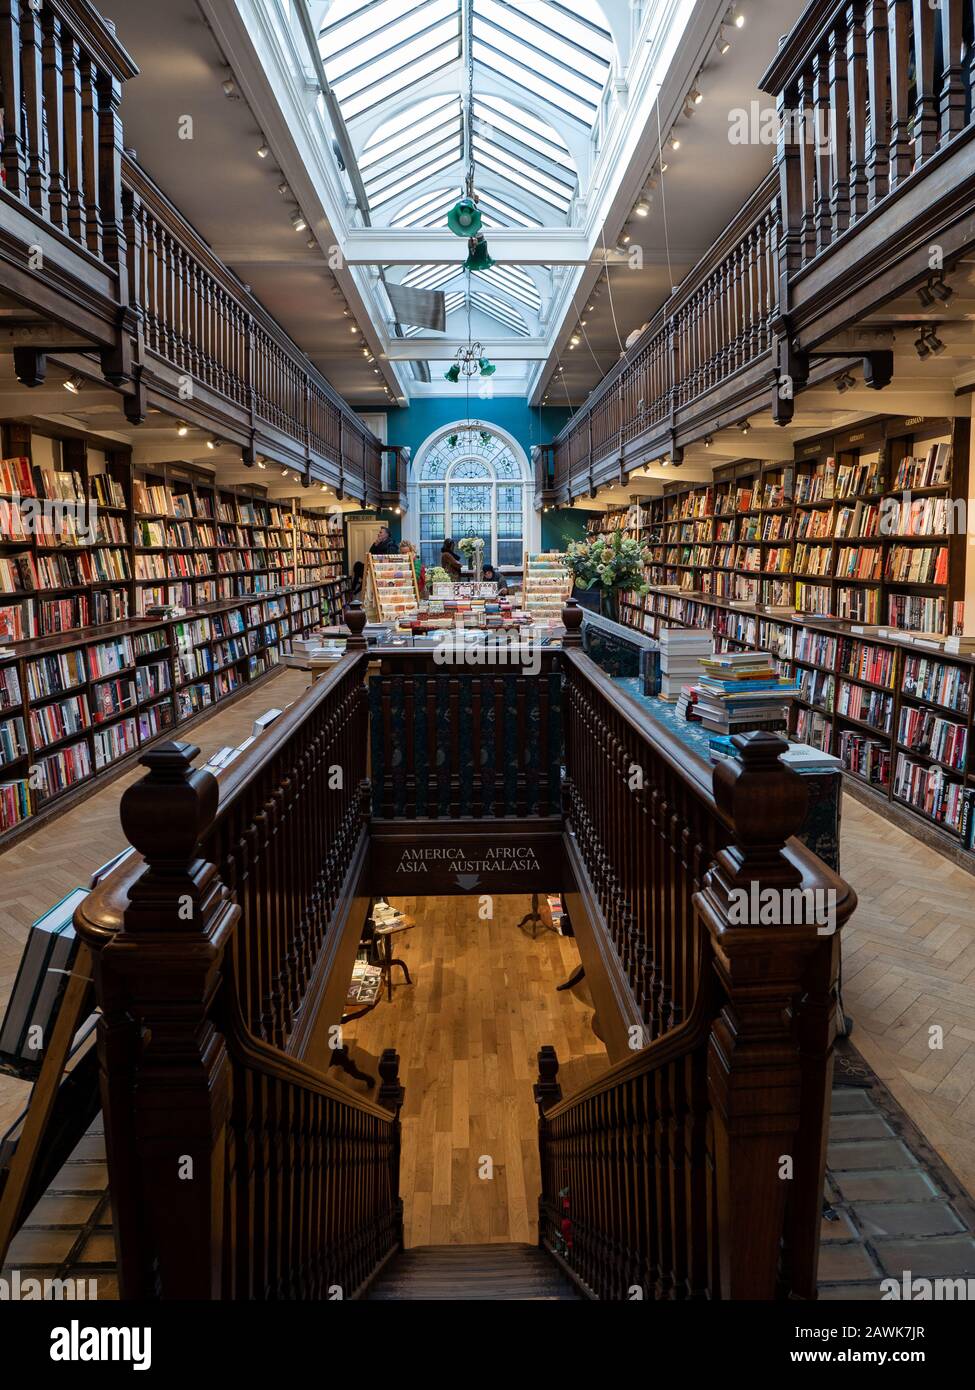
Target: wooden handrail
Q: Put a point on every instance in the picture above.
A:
(204, 952)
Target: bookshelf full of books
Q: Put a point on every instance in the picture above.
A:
(872, 635)
(93, 552)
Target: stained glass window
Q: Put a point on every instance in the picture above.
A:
(471, 483)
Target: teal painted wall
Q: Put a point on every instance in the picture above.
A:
(529, 425)
(559, 527)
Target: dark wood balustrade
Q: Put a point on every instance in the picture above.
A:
(695, 1168)
(717, 325)
(238, 1170)
(454, 739)
(199, 322)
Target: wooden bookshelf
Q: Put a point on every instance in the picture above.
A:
(92, 680)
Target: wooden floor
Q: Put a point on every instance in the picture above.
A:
(908, 969)
(482, 1002)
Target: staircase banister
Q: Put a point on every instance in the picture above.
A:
(655, 1055)
(243, 770)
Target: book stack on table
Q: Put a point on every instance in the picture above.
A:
(742, 691)
(682, 652)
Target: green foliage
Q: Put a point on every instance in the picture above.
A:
(608, 562)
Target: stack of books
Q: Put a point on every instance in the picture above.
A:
(741, 691)
(682, 652)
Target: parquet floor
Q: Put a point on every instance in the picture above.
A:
(36, 872)
(482, 1002)
(909, 969)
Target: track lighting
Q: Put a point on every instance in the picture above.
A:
(708, 441)
(263, 150)
(642, 208)
(213, 443)
(182, 429)
(298, 222)
(745, 427)
(283, 189)
(844, 381)
(936, 288)
(722, 43)
(695, 96)
(73, 384)
(284, 472)
(353, 328)
(311, 243)
(261, 464)
(575, 340)
(674, 142)
(738, 19)
(229, 87)
(927, 343)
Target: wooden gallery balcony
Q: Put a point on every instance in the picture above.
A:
(221, 950)
(873, 175)
(99, 268)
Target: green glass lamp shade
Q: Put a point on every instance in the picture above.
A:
(464, 218)
(478, 258)
(487, 368)
(452, 373)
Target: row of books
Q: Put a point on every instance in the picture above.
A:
(923, 731)
(867, 757)
(869, 706)
(867, 662)
(933, 470)
(926, 679)
(928, 790)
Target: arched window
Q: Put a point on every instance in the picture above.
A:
(471, 484)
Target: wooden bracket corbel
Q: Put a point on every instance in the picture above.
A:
(135, 403)
(30, 366)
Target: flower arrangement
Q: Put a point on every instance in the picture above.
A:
(608, 563)
(471, 546)
(436, 574)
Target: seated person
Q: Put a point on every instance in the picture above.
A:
(451, 561)
(358, 570)
(494, 576)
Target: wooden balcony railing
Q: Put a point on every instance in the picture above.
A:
(238, 1171)
(663, 1179)
(61, 76)
(200, 322)
(717, 325)
(869, 93)
(428, 715)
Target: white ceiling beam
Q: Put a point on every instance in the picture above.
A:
(437, 246)
(422, 349)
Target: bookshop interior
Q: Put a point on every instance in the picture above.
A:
(487, 641)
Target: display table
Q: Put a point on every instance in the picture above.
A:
(821, 829)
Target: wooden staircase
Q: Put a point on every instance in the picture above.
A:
(472, 1272)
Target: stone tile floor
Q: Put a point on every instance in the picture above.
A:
(891, 1204)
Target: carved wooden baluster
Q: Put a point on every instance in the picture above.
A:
(14, 149)
(31, 64)
(90, 75)
(838, 134)
(925, 98)
(855, 97)
(952, 81)
(165, 1068)
(807, 163)
(822, 115)
(73, 136)
(878, 69)
(54, 110)
(109, 94)
(898, 36)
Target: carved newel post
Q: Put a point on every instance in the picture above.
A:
(772, 910)
(166, 1078)
(354, 617)
(572, 616)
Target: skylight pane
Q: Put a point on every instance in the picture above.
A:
(496, 120)
(518, 290)
(522, 116)
(507, 170)
(498, 204)
(562, 39)
(535, 176)
(409, 126)
(534, 83)
(400, 175)
(381, 48)
(443, 163)
(365, 97)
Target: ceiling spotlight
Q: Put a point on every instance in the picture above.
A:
(738, 19)
(575, 340)
(353, 328)
(925, 296)
(941, 290)
(642, 208)
(284, 472)
(695, 96)
(73, 384)
(745, 427)
(708, 441)
(298, 222)
(283, 189)
(674, 142)
(213, 443)
(844, 381)
(263, 150)
(182, 429)
(229, 87)
(261, 463)
(722, 43)
(311, 243)
(664, 167)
